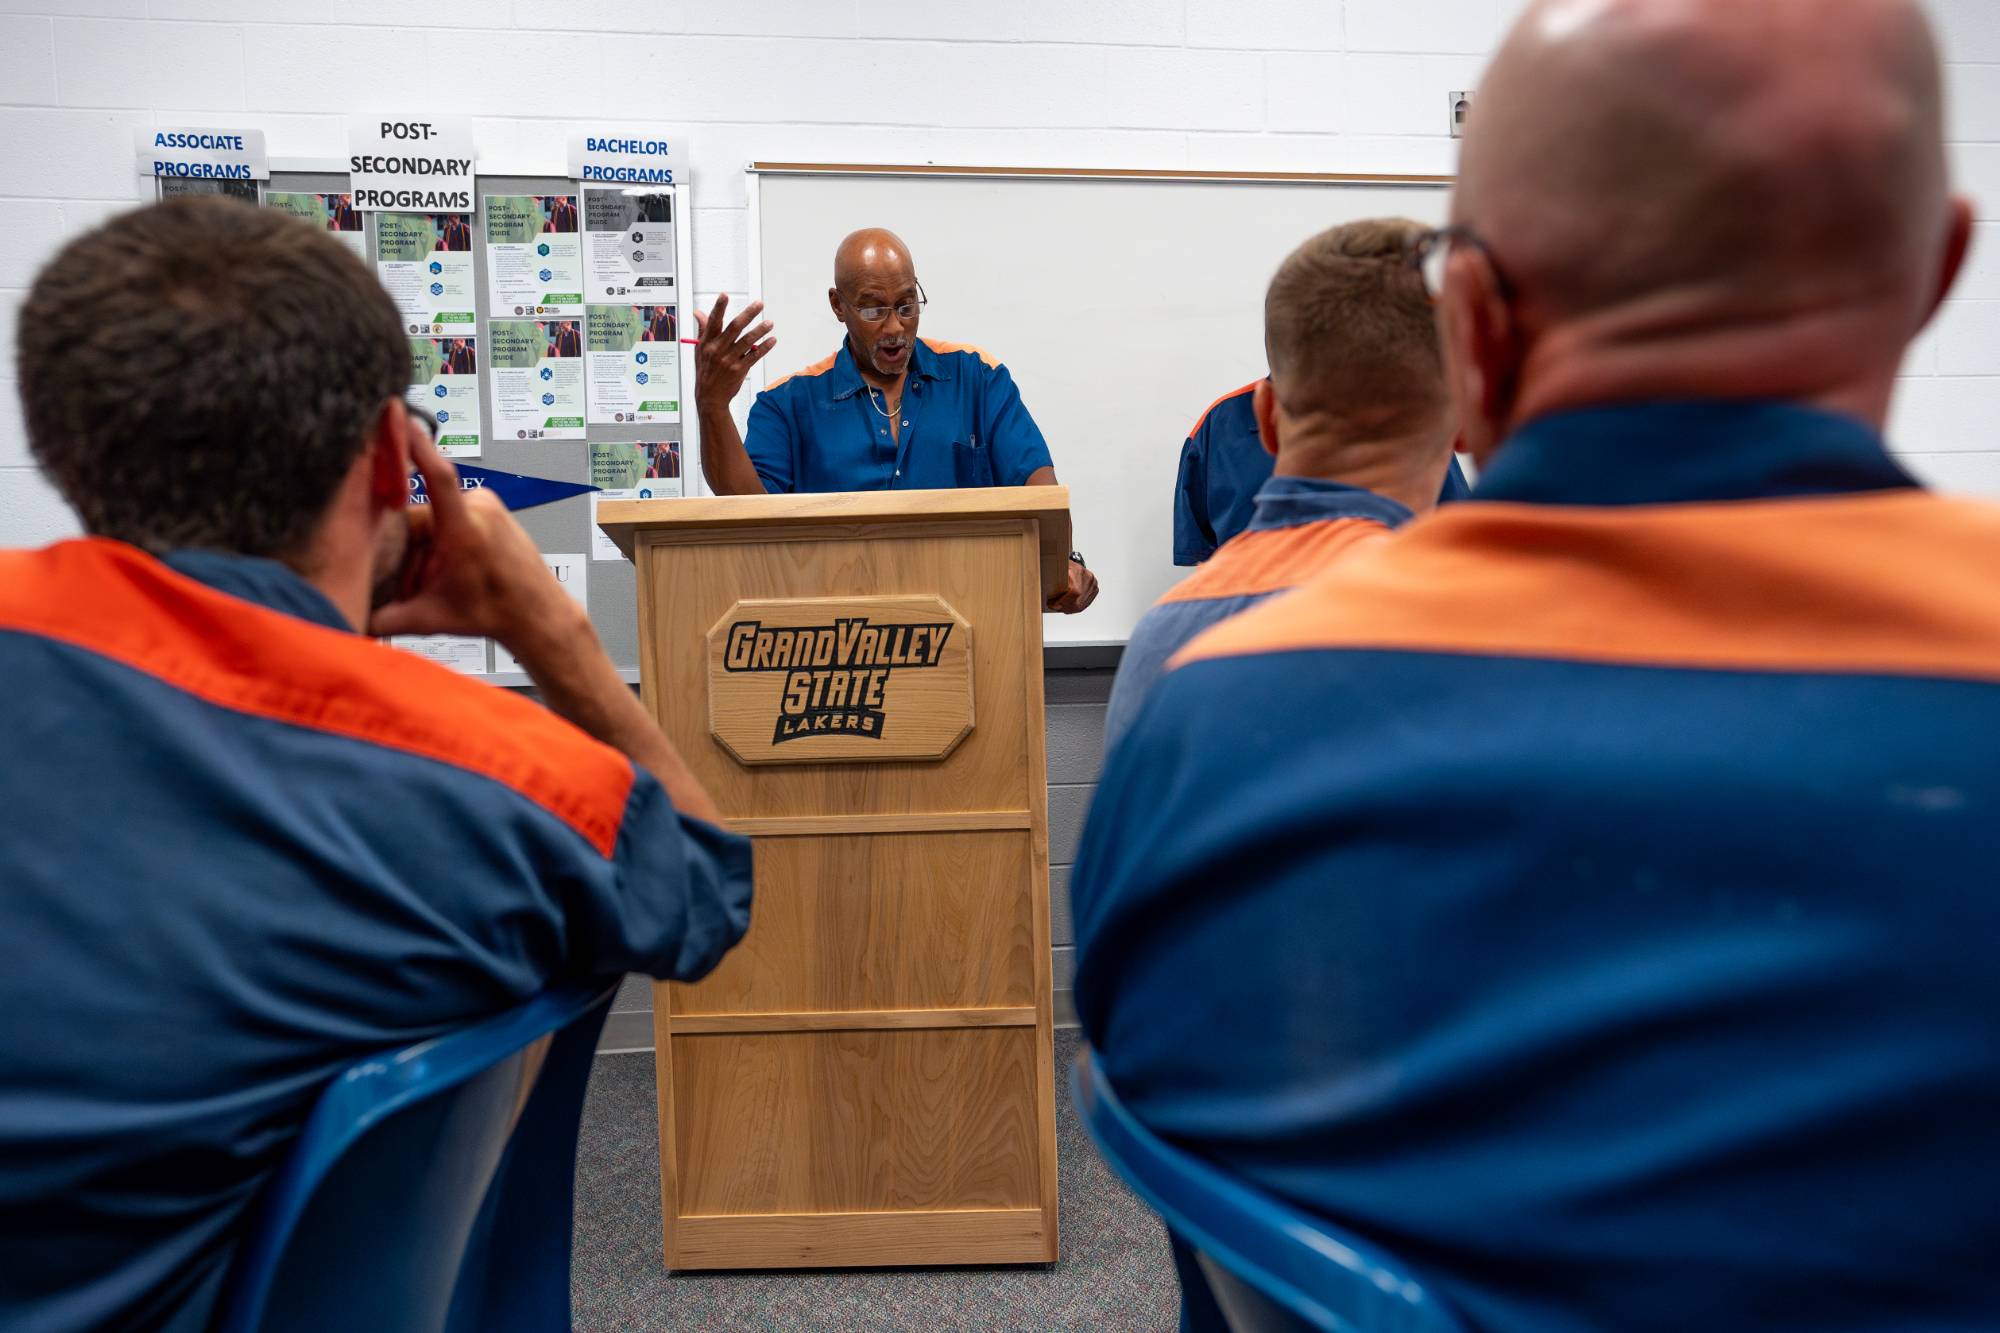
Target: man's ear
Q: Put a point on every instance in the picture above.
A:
(833, 302)
(1264, 406)
(389, 462)
(1957, 244)
(1482, 352)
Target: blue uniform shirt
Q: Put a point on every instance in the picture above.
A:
(1223, 462)
(1589, 896)
(241, 847)
(963, 424)
(1300, 525)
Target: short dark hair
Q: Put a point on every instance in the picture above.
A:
(1350, 330)
(196, 373)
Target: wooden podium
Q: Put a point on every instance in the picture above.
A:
(868, 1078)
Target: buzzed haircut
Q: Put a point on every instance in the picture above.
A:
(1350, 330)
(196, 373)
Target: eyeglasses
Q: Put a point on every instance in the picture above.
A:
(1430, 255)
(875, 314)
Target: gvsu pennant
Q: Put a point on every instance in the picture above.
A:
(515, 491)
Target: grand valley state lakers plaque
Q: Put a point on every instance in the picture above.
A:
(844, 679)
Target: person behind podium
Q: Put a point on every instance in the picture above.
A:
(886, 411)
(322, 846)
(1587, 893)
(1355, 421)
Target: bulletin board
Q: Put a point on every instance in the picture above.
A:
(563, 528)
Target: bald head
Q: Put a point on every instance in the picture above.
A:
(1699, 198)
(1788, 149)
(872, 254)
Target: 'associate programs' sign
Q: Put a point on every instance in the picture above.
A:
(411, 166)
(612, 157)
(204, 154)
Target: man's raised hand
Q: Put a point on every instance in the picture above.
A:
(725, 352)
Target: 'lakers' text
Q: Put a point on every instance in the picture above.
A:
(836, 676)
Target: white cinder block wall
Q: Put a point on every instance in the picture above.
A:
(1250, 84)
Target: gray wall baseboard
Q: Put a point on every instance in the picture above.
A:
(624, 1032)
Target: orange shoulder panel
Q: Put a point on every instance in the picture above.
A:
(1202, 420)
(946, 349)
(1891, 583)
(119, 603)
(1273, 559)
(819, 367)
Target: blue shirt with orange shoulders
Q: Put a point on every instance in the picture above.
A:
(1301, 524)
(244, 847)
(1587, 895)
(1223, 463)
(961, 423)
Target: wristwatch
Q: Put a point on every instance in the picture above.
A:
(1076, 558)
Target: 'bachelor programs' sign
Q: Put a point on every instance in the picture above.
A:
(617, 157)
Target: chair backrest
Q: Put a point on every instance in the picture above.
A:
(1273, 1267)
(432, 1187)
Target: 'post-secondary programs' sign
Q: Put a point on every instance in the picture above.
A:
(196, 153)
(605, 156)
(411, 166)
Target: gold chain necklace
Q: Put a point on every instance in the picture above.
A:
(891, 408)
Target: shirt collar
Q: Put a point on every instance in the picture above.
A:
(1665, 453)
(264, 582)
(926, 364)
(844, 380)
(1287, 502)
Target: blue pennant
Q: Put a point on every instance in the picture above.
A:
(514, 490)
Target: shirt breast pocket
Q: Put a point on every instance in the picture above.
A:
(972, 464)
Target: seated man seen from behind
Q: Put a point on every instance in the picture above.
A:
(242, 843)
(1356, 414)
(1586, 895)
(1224, 463)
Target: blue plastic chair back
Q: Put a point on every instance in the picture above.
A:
(1272, 1267)
(432, 1188)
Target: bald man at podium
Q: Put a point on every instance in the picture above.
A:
(886, 411)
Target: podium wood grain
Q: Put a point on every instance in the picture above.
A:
(868, 1078)
(854, 1122)
(928, 932)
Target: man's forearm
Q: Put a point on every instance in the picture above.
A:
(724, 460)
(1082, 588)
(569, 666)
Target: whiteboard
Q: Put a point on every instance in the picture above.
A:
(1123, 306)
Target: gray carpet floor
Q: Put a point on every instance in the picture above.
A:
(1114, 1273)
